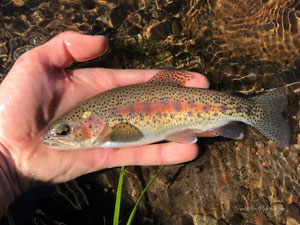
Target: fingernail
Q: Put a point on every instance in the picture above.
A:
(107, 44)
(67, 43)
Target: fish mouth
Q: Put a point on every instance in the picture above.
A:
(57, 144)
(50, 143)
(53, 144)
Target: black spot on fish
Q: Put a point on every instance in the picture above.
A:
(198, 115)
(231, 101)
(141, 116)
(190, 113)
(238, 108)
(248, 110)
(120, 118)
(191, 102)
(216, 99)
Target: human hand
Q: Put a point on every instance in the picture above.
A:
(38, 89)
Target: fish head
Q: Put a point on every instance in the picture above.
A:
(80, 133)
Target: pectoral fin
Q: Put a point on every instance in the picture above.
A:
(125, 132)
(104, 135)
(233, 130)
(184, 137)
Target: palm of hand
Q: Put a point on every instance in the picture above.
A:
(38, 89)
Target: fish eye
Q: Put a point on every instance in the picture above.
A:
(63, 130)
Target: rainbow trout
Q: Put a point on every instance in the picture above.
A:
(162, 109)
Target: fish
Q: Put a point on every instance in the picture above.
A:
(163, 109)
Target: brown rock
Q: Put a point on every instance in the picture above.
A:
(291, 221)
(291, 198)
(213, 162)
(222, 222)
(271, 145)
(215, 152)
(202, 209)
(204, 219)
(244, 190)
(18, 2)
(260, 218)
(269, 223)
(236, 219)
(293, 211)
(238, 156)
(216, 214)
(278, 209)
(253, 150)
(253, 196)
(273, 190)
(161, 30)
(224, 178)
(298, 170)
(256, 185)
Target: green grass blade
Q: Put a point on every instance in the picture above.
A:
(141, 196)
(10, 218)
(118, 197)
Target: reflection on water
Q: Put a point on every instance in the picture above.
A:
(242, 46)
(254, 41)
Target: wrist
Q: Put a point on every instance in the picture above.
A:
(10, 181)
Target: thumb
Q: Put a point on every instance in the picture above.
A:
(67, 47)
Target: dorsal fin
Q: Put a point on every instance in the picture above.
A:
(172, 76)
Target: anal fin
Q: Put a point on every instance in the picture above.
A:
(184, 137)
(233, 130)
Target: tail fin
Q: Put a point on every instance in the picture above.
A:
(268, 116)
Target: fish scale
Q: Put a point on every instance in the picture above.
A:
(178, 106)
(163, 109)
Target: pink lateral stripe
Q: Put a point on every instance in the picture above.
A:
(149, 107)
